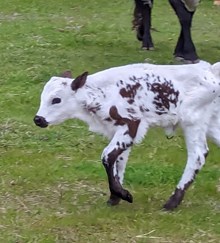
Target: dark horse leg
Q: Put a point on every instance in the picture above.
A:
(185, 48)
(142, 22)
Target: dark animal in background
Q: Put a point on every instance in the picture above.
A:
(184, 9)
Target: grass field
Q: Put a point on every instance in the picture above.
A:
(53, 187)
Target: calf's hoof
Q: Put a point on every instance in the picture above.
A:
(126, 195)
(113, 200)
(174, 200)
(120, 194)
(170, 205)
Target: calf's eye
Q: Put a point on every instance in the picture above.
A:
(56, 101)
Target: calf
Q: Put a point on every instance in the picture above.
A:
(122, 103)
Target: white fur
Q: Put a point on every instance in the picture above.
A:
(196, 111)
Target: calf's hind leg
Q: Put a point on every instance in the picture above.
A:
(197, 151)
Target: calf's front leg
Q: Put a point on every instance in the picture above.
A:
(119, 169)
(117, 150)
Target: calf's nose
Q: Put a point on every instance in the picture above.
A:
(40, 121)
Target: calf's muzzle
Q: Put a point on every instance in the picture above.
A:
(40, 121)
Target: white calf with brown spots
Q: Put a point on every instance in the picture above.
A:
(122, 103)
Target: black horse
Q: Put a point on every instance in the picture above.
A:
(184, 9)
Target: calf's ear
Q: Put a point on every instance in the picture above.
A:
(66, 74)
(79, 81)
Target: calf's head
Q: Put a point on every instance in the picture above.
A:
(58, 100)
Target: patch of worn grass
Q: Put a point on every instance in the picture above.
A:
(53, 187)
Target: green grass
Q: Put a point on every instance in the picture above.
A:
(53, 187)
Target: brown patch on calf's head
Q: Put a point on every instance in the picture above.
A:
(66, 74)
(79, 81)
(132, 124)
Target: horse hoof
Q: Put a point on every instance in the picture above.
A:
(179, 58)
(191, 61)
(147, 48)
(185, 61)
